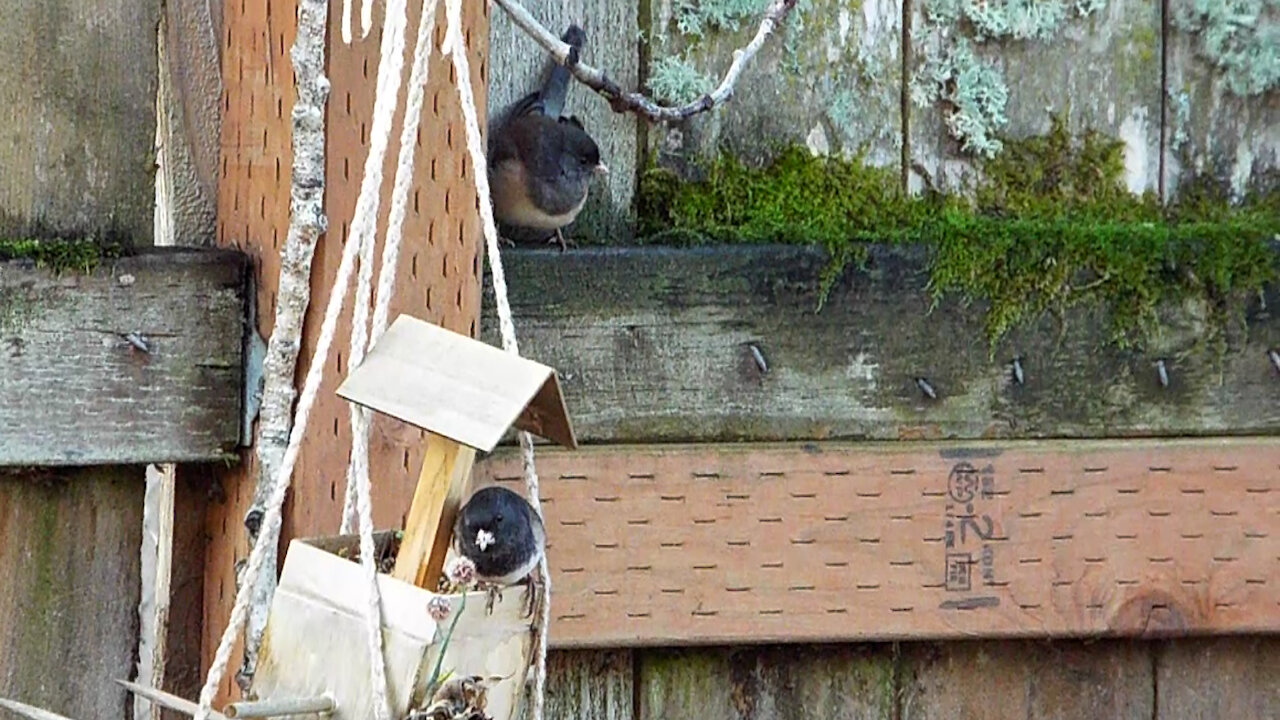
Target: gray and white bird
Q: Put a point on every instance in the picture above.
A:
(500, 533)
(541, 163)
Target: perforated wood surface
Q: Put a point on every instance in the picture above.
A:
(742, 544)
(437, 278)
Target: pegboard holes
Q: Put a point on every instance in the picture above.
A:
(416, 208)
(435, 110)
(413, 266)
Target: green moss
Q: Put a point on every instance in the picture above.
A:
(57, 254)
(1050, 225)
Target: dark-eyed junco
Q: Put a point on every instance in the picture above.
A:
(540, 162)
(501, 533)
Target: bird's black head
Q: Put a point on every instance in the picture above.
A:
(582, 155)
(495, 510)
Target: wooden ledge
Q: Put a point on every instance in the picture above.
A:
(661, 344)
(732, 544)
(137, 362)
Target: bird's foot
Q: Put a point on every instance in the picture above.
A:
(493, 594)
(560, 240)
(505, 241)
(532, 596)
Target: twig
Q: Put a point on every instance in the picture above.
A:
(635, 102)
(307, 222)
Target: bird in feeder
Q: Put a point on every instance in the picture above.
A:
(541, 163)
(504, 537)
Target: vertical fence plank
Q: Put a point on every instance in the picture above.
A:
(70, 567)
(1210, 678)
(589, 685)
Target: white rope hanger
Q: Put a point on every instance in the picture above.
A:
(360, 246)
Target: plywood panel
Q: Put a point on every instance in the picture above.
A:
(70, 560)
(437, 279)
(658, 349)
(653, 545)
(75, 390)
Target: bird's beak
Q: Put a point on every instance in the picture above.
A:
(484, 539)
(602, 170)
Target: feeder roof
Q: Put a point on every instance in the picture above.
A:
(463, 389)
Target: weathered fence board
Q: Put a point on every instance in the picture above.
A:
(653, 345)
(78, 133)
(518, 66)
(829, 80)
(1101, 73)
(786, 683)
(1187, 679)
(69, 599)
(590, 684)
(1219, 678)
(1212, 134)
(1024, 680)
(75, 389)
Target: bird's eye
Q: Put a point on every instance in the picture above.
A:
(497, 518)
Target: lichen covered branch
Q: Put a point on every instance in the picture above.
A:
(307, 223)
(634, 102)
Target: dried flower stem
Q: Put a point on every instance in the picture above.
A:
(636, 102)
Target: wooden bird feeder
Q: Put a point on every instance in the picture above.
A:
(466, 395)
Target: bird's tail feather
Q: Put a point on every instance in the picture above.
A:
(556, 89)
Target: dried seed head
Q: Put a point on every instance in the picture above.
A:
(461, 571)
(439, 608)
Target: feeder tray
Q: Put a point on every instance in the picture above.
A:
(316, 643)
(466, 395)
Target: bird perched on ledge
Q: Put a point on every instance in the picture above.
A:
(541, 163)
(502, 534)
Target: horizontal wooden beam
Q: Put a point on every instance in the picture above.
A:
(725, 343)
(139, 361)
(741, 543)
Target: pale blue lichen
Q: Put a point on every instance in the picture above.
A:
(1017, 19)
(696, 17)
(674, 80)
(975, 90)
(1240, 37)
(952, 73)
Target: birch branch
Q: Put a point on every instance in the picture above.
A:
(635, 102)
(306, 224)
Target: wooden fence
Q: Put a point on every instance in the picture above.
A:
(675, 365)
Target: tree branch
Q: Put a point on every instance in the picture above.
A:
(636, 102)
(307, 222)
